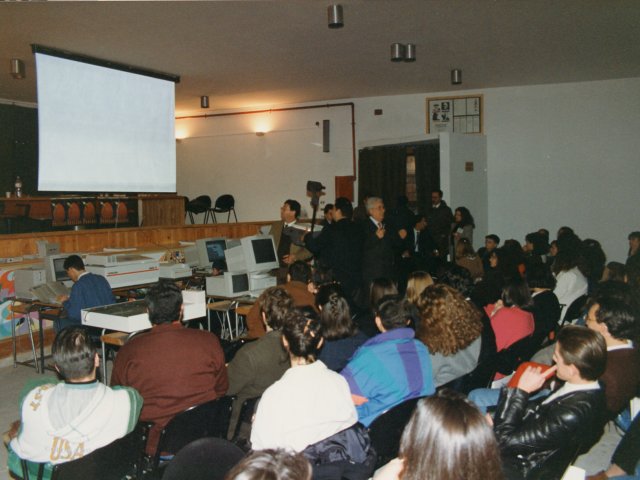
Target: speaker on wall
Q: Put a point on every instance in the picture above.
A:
(326, 127)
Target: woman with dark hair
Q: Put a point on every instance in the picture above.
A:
(509, 319)
(462, 227)
(594, 260)
(503, 268)
(341, 336)
(447, 438)
(366, 319)
(571, 282)
(451, 329)
(467, 258)
(272, 465)
(535, 248)
(546, 308)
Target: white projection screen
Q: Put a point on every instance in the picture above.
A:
(103, 129)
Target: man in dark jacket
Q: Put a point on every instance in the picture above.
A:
(440, 218)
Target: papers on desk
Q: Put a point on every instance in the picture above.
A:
(49, 292)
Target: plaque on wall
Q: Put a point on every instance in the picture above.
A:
(455, 114)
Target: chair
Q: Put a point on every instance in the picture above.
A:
(245, 418)
(575, 310)
(209, 419)
(508, 359)
(204, 459)
(201, 204)
(120, 458)
(224, 204)
(386, 430)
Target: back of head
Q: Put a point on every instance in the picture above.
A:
(464, 248)
(344, 205)
(335, 315)
(271, 465)
(73, 261)
(302, 331)
(74, 353)
(448, 438)
(381, 287)
(539, 276)
(516, 294)
(395, 312)
(300, 271)
(275, 303)
(164, 301)
(540, 246)
(416, 283)
(457, 277)
(585, 349)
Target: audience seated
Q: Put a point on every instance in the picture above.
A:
(392, 366)
(64, 421)
(257, 365)
(570, 280)
(467, 258)
(416, 283)
(625, 460)
(491, 242)
(503, 268)
(298, 278)
(539, 439)
(451, 328)
(366, 319)
(447, 438)
(172, 367)
(271, 464)
(546, 307)
(341, 337)
(509, 319)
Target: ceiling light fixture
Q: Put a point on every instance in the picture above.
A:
(410, 53)
(17, 68)
(397, 52)
(456, 76)
(204, 101)
(336, 19)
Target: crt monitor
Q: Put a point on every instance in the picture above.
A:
(210, 250)
(54, 267)
(260, 253)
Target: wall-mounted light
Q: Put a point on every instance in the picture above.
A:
(204, 101)
(397, 52)
(17, 68)
(456, 76)
(260, 134)
(410, 53)
(336, 19)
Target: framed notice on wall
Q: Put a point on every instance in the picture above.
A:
(455, 114)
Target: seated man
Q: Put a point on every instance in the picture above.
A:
(259, 364)
(539, 438)
(89, 290)
(298, 278)
(172, 367)
(63, 421)
(392, 366)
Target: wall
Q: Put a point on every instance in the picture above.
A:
(556, 154)
(18, 147)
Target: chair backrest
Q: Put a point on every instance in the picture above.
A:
(247, 410)
(386, 430)
(112, 462)
(575, 309)
(204, 459)
(508, 359)
(210, 419)
(199, 204)
(225, 202)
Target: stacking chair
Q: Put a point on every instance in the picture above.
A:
(204, 459)
(201, 204)
(386, 430)
(224, 204)
(209, 419)
(575, 310)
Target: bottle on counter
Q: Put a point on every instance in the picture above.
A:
(18, 186)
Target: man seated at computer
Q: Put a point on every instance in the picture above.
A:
(88, 290)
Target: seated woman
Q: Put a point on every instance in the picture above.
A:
(310, 403)
(570, 280)
(539, 439)
(342, 337)
(416, 283)
(447, 438)
(546, 308)
(509, 319)
(366, 319)
(451, 328)
(272, 464)
(466, 257)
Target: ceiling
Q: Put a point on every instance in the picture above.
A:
(264, 53)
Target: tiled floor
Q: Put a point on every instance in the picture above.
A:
(13, 379)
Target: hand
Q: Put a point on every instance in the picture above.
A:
(533, 379)
(62, 298)
(13, 429)
(497, 306)
(406, 254)
(311, 288)
(380, 233)
(489, 419)
(402, 233)
(288, 259)
(389, 471)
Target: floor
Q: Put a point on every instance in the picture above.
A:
(12, 380)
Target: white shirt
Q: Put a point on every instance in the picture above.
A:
(570, 284)
(308, 404)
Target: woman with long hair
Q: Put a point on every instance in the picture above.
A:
(510, 318)
(568, 268)
(342, 337)
(451, 328)
(447, 438)
(467, 258)
(416, 283)
(462, 227)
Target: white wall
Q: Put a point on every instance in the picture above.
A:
(557, 154)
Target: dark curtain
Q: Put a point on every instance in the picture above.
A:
(382, 173)
(427, 173)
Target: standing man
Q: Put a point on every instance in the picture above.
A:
(282, 231)
(634, 250)
(88, 290)
(420, 251)
(440, 219)
(172, 367)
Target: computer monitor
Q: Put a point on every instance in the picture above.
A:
(254, 254)
(54, 268)
(229, 284)
(210, 250)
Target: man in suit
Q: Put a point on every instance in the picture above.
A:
(440, 218)
(420, 251)
(283, 233)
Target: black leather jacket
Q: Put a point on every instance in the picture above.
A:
(540, 441)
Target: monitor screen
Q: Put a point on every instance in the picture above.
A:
(60, 274)
(215, 249)
(263, 250)
(240, 282)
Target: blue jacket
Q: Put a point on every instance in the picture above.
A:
(89, 291)
(388, 369)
